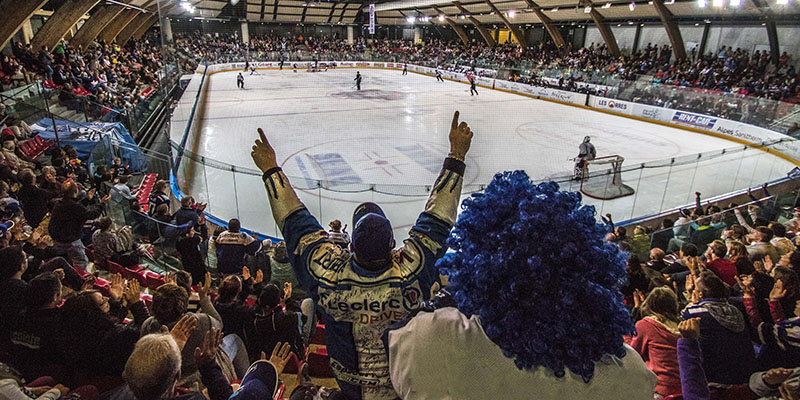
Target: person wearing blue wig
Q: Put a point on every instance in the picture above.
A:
(362, 293)
(538, 310)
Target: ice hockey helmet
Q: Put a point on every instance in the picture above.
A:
(586, 139)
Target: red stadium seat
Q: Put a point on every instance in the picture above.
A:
(319, 364)
(318, 337)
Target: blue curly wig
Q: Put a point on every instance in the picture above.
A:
(532, 263)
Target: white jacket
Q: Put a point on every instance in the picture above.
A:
(445, 355)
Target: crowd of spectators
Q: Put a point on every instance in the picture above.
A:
(104, 80)
(707, 307)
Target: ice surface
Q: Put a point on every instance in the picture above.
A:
(386, 144)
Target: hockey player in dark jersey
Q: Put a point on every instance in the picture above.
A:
(472, 89)
(358, 80)
(586, 151)
(361, 293)
(240, 81)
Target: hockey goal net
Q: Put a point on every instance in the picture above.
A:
(602, 178)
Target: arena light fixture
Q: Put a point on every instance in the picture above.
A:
(717, 3)
(632, 6)
(587, 10)
(441, 17)
(512, 14)
(735, 3)
(411, 19)
(607, 5)
(783, 2)
(555, 9)
(701, 3)
(669, 2)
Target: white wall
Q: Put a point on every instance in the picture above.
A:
(789, 41)
(744, 37)
(624, 35)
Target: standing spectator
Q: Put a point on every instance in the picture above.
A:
(232, 246)
(13, 264)
(190, 212)
(656, 339)
(46, 62)
(66, 225)
(158, 196)
(33, 198)
(374, 274)
(783, 244)
(272, 324)
(192, 260)
(338, 235)
(716, 262)
(760, 245)
(728, 356)
(281, 272)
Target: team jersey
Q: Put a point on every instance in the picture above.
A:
(359, 304)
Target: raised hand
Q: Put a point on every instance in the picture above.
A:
(776, 376)
(690, 329)
(638, 298)
(245, 273)
(287, 290)
(259, 277)
(133, 292)
(263, 154)
(117, 288)
(777, 292)
(460, 138)
(211, 342)
(768, 264)
(280, 356)
(183, 329)
(206, 287)
(746, 284)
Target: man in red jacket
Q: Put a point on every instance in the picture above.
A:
(718, 264)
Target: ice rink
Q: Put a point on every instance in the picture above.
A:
(386, 144)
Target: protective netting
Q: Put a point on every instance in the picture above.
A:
(602, 178)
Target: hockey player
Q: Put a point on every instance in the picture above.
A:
(358, 80)
(280, 65)
(240, 81)
(252, 70)
(439, 76)
(472, 89)
(294, 67)
(246, 65)
(586, 151)
(405, 69)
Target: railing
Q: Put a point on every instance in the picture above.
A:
(659, 185)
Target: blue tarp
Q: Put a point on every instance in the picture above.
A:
(84, 137)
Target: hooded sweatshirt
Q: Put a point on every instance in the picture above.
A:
(657, 344)
(728, 356)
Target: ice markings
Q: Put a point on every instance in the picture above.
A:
(428, 159)
(334, 169)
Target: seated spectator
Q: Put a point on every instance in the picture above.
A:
(640, 243)
(338, 235)
(117, 245)
(574, 311)
(728, 356)
(232, 247)
(272, 324)
(657, 259)
(169, 306)
(34, 346)
(91, 321)
(779, 334)
(656, 339)
(154, 365)
(13, 387)
(787, 290)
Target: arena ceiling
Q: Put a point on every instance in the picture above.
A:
(398, 12)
